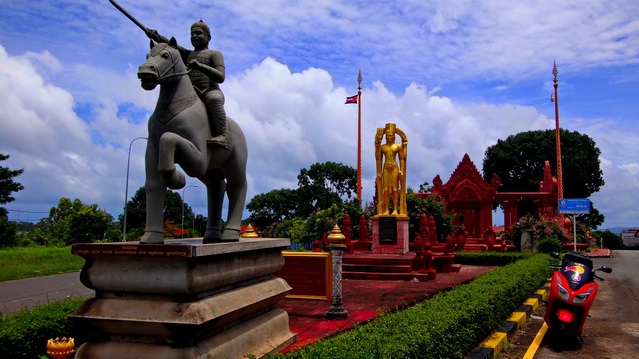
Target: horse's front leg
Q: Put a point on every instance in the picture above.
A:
(236, 187)
(173, 149)
(155, 193)
(215, 189)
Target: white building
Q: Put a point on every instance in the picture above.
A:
(630, 237)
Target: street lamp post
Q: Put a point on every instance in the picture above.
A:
(126, 187)
(184, 190)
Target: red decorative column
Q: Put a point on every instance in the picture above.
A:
(346, 225)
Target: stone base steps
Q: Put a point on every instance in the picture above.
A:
(364, 265)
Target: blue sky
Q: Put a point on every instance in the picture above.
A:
(456, 76)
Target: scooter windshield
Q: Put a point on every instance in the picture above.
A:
(577, 275)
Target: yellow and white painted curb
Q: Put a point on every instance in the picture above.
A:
(497, 341)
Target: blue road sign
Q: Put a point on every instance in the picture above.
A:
(574, 206)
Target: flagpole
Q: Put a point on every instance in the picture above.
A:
(560, 184)
(359, 136)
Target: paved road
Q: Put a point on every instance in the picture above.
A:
(613, 329)
(25, 293)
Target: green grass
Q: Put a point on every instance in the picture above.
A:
(25, 262)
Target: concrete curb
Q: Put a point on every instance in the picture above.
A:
(600, 253)
(495, 343)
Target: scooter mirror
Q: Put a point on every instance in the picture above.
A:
(554, 255)
(605, 269)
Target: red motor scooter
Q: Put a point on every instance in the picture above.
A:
(572, 292)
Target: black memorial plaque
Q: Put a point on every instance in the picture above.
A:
(387, 230)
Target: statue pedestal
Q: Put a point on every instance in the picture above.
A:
(183, 299)
(390, 234)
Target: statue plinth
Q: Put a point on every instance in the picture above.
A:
(183, 299)
(390, 234)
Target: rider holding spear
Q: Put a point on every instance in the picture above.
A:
(207, 71)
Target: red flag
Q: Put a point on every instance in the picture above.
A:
(351, 99)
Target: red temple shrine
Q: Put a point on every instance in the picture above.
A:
(471, 198)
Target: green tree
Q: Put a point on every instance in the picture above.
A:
(592, 220)
(8, 232)
(136, 212)
(319, 187)
(75, 222)
(323, 185)
(89, 224)
(7, 187)
(519, 162)
(199, 226)
(7, 184)
(610, 239)
(276, 206)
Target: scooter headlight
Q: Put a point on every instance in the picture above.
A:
(563, 293)
(580, 298)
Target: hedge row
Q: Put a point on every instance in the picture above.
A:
(25, 334)
(489, 258)
(449, 325)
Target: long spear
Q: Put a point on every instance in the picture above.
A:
(126, 13)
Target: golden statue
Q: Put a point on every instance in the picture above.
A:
(391, 175)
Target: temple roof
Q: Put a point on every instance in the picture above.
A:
(465, 184)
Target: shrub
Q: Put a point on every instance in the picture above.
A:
(418, 204)
(549, 244)
(540, 227)
(25, 334)
(489, 258)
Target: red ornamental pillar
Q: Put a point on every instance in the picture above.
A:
(325, 242)
(432, 230)
(423, 227)
(363, 229)
(347, 232)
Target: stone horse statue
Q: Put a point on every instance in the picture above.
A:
(178, 130)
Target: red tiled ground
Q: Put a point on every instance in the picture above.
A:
(363, 300)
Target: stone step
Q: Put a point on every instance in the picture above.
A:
(474, 247)
(379, 260)
(382, 268)
(422, 277)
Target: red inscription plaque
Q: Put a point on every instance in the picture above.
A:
(308, 273)
(133, 250)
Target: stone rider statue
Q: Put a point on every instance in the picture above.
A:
(206, 73)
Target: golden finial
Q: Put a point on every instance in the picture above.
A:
(250, 232)
(336, 237)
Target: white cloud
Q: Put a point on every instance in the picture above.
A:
(291, 120)
(70, 102)
(41, 132)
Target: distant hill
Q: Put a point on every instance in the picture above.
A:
(616, 230)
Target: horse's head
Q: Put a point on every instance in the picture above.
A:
(162, 63)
